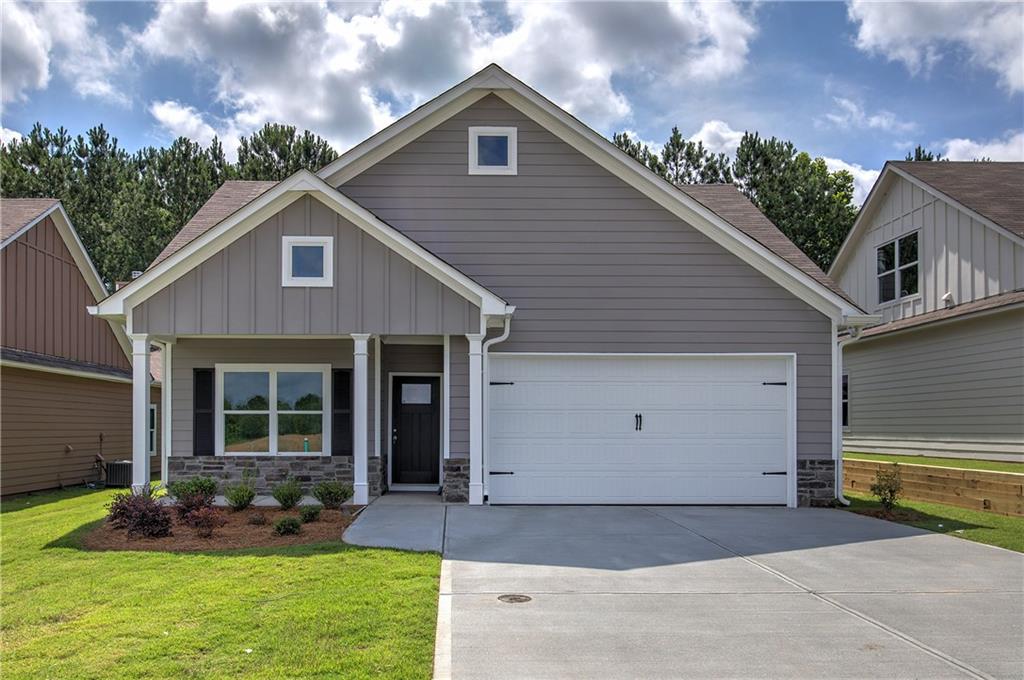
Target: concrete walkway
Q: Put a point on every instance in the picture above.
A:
(403, 520)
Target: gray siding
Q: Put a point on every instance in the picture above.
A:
(191, 353)
(591, 264)
(458, 386)
(238, 290)
(955, 384)
(958, 254)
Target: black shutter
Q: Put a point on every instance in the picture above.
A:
(203, 412)
(341, 412)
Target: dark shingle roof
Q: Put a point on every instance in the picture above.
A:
(15, 213)
(993, 190)
(972, 307)
(726, 201)
(230, 197)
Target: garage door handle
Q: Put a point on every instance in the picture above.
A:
(500, 472)
(775, 383)
(774, 473)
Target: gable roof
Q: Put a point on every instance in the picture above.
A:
(731, 205)
(18, 213)
(231, 196)
(993, 190)
(211, 238)
(494, 80)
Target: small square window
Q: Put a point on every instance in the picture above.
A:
(307, 261)
(415, 393)
(493, 151)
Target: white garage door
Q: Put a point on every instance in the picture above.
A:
(634, 429)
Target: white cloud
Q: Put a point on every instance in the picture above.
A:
(918, 33)
(41, 35)
(851, 114)
(1008, 148)
(346, 70)
(182, 120)
(718, 137)
(863, 178)
(8, 135)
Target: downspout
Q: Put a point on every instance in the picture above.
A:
(486, 381)
(852, 338)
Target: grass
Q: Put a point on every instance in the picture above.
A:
(962, 463)
(324, 610)
(974, 525)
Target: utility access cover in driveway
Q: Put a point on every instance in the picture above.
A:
(723, 592)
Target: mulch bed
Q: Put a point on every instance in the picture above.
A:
(236, 534)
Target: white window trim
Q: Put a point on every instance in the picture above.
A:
(513, 151)
(289, 281)
(272, 370)
(898, 269)
(151, 429)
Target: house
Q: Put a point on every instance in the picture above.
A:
(938, 252)
(490, 299)
(65, 376)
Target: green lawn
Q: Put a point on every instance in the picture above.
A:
(974, 525)
(327, 610)
(964, 463)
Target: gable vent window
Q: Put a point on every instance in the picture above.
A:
(306, 261)
(493, 151)
(897, 268)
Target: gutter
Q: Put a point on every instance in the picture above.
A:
(854, 325)
(486, 382)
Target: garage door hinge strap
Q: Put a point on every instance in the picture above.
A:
(775, 383)
(774, 473)
(499, 472)
(502, 383)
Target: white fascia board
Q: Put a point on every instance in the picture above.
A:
(65, 371)
(302, 183)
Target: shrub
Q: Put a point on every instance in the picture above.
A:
(206, 486)
(241, 495)
(257, 519)
(205, 520)
(139, 515)
(287, 526)
(187, 504)
(332, 494)
(888, 486)
(288, 494)
(309, 513)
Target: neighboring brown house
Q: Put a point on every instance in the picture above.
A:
(65, 377)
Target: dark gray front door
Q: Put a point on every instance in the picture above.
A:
(415, 430)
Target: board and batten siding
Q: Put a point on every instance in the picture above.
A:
(591, 264)
(957, 388)
(957, 254)
(45, 297)
(192, 353)
(238, 291)
(51, 427)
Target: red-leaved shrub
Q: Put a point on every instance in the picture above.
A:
(205, 520)
(139, 515)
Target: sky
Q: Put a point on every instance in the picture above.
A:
(856, 83)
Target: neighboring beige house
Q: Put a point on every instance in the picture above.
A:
(938, 252)
(65, 376)
(490, 300)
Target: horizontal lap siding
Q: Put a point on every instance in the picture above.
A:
(238, 291)
(591, 264)
(44, 302)
(958, 381)
(44, 413)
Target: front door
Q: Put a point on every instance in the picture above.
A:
(415, 430)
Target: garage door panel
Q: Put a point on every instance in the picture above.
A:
(566, 429)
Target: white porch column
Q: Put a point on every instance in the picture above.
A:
(476, 419)
(140, 413)
(360, 382)
(165, 410)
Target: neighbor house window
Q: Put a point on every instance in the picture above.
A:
(846, 401)
(493, 151)
(898, 268)
(307, 261)
(273, 410)
(151, 433)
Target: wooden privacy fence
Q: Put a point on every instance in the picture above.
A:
(999, 492)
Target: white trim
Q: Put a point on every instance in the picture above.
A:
(897, 270)
(791, 394)
(376, 395)
(141, 378)
(166, 421)
(272, 369)
(446, 425)
(302, 183)
(390, 424)
(360, 418)
(476, 419)
(65, 371)
(511, 135)
(288, 280)
(494, 80)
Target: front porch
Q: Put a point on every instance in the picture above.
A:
(380, 412)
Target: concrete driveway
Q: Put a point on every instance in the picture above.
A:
(669, 592)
